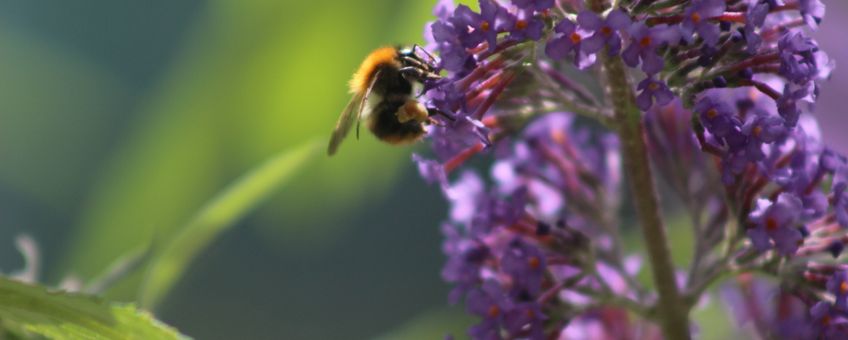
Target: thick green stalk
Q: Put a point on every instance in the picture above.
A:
(671, 310)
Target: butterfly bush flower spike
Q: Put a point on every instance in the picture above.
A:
(544, 126)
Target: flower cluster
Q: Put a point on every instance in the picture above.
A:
(724, 90)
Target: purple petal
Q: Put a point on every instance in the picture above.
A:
(463, 16)
(787, 240)
(759, 238)
(565, 26)
(558, 48)
(488, 9)
(709, 32)
(637, 31)
(618, 20)
(614, 45)
(643, 101)
(663, 96)
(711, 8)
(593, 44)
(631, 55)
(651, 62)
(588, 20)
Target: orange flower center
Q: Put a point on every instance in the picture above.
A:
(534, 262)
(843, 287)
(645, 41)
(758, 130)
(606, 30)
(575, 38)
(696, 18)
(653, 86)
(493, 311)
(521, 24)
(712, 113)
(485, 26)
(771, 224)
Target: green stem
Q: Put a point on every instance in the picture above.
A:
(671, 309)
(672, 313)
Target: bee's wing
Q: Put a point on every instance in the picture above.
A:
(352, 111)
(345, 122)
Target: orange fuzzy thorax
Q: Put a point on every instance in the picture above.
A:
(363, 76)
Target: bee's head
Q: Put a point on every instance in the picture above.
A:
(418, 57)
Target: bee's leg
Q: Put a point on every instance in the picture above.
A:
(431, 60)
(431, 111)
(418, 74)
(412, 110)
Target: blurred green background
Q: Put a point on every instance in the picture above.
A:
(119, 120)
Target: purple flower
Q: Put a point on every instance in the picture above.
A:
(525, 320)
(525, 263)
(486, 330)
(444, 9)
(697, 18)
(776, 224)
(465, 195)
(838, 286)
(840, 196)
(772, 312)
(653, 92)
(431, 171)
(644, 42)
(483, 26)
(525, 26)
(450, 139)
(788, 103)
(453, 55)
(606, 32)
(717, 115)
(828, 322)
(755, 17)
(762, 128)
(534, 5)
(490, 302)
(812, 11)
(798, 63)
(568, 40)
(465, 261)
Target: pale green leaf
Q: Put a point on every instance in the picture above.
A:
(62, 315)
(221, 212)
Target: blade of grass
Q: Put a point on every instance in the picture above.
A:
(227, 207)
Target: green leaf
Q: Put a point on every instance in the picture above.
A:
(61, 315)
(218, 214)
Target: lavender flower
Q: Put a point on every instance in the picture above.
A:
(533, 242)
(717, 115)
(840, 196)
(755, 18)
(567, 41)
(797, 60)
(697, 17)
(812, 11)
(474, 28)
(606, 31)
(525, 26)
(653, 92)
(536, 5)
(644, 44)
(776, 224)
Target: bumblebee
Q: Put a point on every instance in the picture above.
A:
(383, 97)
